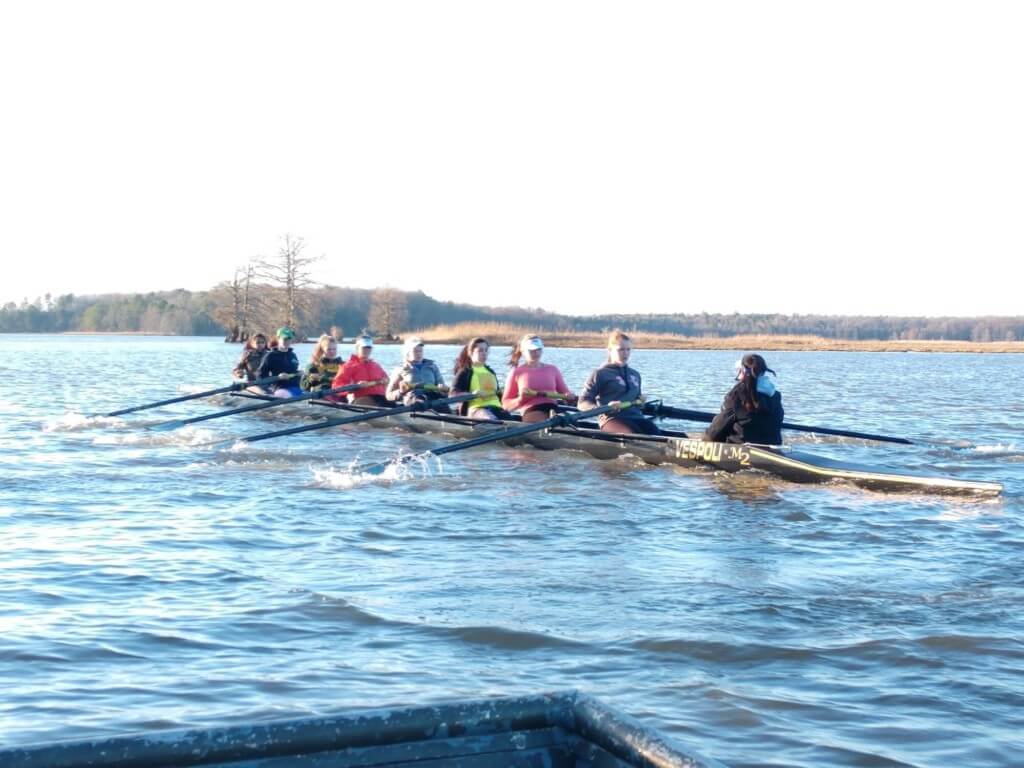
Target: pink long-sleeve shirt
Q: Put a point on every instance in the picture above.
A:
(542, 378)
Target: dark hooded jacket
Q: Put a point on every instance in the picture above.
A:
(736, 424)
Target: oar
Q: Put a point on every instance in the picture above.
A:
(687, 415)
(561, 420)
(209, 393)
(177, 423)
(552, 395)
(365, 416)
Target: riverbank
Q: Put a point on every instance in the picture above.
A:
(503, 334)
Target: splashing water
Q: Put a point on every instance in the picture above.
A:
(1010, 450)
(404, 468)
(78, 422)
(189, 436)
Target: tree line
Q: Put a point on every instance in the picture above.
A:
(271, 291)
(388, 311)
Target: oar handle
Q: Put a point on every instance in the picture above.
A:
(234, 387)
(688, 415)
(263, 405)
(367, 416)
(551, 395)
(561, 420)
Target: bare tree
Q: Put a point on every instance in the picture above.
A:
(289, 282)
(235, 303)
(389, 312)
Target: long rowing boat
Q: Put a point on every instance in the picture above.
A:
(681, 450)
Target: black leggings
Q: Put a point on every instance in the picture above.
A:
(624, 426)
(538, 413)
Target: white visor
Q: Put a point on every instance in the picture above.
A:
(531, 344)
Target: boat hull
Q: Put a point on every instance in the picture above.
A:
(680, 450)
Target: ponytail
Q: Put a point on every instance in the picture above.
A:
(752, 366)
(515, 355)
(465, 358)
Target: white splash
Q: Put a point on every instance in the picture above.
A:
(1011, 450)
(188, 436)
(78, 422)
(404, 468)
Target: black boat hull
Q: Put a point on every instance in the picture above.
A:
(679, 450)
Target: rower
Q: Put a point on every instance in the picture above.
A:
(282, 361)
(752, 410)
(360, 368)
(615, 383)
(417, 379)
(323, 365)
(533, 388)
(248, 365)
(472, 374)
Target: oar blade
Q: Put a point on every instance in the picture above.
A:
(167, 426)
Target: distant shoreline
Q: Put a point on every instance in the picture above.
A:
(506, 336)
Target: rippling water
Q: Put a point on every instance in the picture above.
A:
(151, 582)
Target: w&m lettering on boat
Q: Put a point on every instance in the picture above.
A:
(712, 453)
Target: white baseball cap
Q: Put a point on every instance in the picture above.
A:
(363, 341)
(533, 342)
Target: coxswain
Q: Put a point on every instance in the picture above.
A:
(533, 389)
(360, 368)
(472, 374)
(752, 410)
(417, 379)
(282, 361)
(323, 365)
(618, 385)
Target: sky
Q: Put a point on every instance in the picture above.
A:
(591, 157)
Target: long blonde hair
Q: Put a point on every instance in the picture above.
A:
(322, 344)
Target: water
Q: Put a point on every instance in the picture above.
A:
(150, 582)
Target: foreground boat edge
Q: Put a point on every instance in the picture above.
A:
(558, 730)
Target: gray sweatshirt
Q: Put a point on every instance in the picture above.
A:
(612, 382)
(425, 372)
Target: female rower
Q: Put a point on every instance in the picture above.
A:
(252, 355)
(360, 368)
(615, 383)
(417, 379)
(533, 388)
(472, 374)
(323, 366)
(752, 410)
(281, 361)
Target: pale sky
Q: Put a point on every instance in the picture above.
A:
(842, 158)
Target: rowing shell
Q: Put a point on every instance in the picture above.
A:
(680, 450)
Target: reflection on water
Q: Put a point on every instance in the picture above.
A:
(152, 581)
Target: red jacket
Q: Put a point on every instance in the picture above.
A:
(354, 371)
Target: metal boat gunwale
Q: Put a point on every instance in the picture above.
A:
(560, 730)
